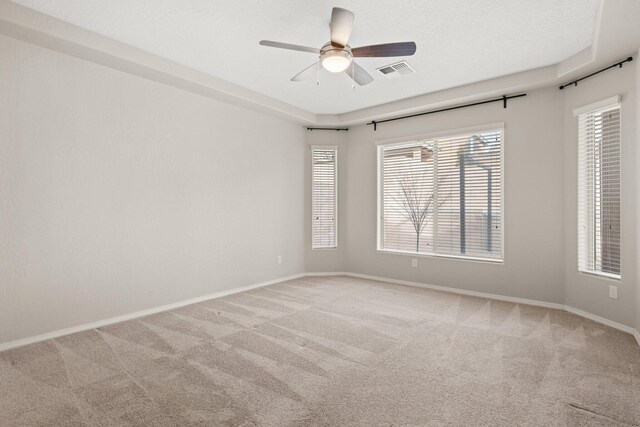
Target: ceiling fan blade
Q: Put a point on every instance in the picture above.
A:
(341, 26)
(306, 73)
(290, 46)
(387, 49)
(358, 74)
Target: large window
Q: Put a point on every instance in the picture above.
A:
(442, 196)
(324, 185)
(599, 188)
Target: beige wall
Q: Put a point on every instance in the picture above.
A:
(590, 292)
(120, 194)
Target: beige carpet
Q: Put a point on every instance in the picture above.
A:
(330, 351)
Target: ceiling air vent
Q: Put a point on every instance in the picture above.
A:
(396, 70)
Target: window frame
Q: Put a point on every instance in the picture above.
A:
(333, 148)
(611, 102)
(450, 133)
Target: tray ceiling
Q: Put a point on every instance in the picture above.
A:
(459, 41)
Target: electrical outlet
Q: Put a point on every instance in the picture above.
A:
(279, 259)
(613, 292)
(414, 262)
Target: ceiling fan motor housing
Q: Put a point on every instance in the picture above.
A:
(335, 59)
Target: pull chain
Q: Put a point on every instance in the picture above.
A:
(353, 76)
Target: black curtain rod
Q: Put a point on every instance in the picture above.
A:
(336, 129)
(504, 99)
(617, 64)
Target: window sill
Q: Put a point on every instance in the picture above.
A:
(602, 275)
(441, 256)
(335, 248)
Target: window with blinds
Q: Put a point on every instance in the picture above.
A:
(324, 183)
(442, 196)
(599, 190)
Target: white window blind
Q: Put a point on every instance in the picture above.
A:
(442, 196)
(324, 193)
(599, 191)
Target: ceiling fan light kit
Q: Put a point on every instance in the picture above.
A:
(335, 59)
(337, 56)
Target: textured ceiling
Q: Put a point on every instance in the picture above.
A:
(459, 41)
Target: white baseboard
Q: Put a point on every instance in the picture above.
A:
(141, 313)
(537, 303)
(602, 320)
(326, 273)
(460, 291)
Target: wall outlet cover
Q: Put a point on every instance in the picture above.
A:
(414, 262)
(613, 292)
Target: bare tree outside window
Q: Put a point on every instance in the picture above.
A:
(416, 199)
(415, 204)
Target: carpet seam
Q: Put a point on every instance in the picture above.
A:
(617, 420)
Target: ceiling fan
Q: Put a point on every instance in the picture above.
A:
(337, 56)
